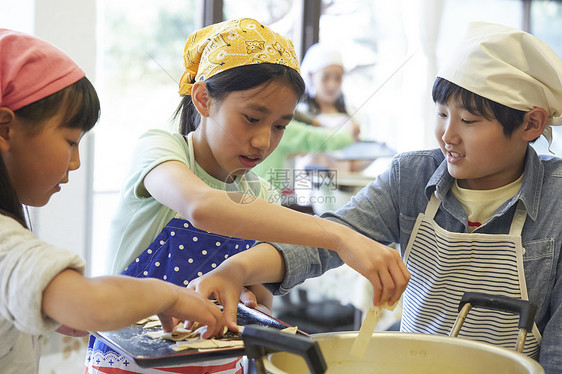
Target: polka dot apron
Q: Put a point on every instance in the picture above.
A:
(180, 253)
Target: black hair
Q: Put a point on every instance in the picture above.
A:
(81, 107)
(509, 118)
(80, 100)
(237, 79)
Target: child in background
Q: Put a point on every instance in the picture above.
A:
(482, 213)
(190, 200)
(324, 104)
(278, 169)
(321, 123)
(46, 106)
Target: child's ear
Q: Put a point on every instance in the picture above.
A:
(200, 98)
(534, 123)
(6, 122)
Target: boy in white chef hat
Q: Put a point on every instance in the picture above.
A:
(510, 67)
(482, 213)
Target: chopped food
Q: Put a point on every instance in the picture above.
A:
(203, 344)
(191, 338)
(144, 321)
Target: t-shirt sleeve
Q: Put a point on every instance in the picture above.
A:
(152, 149)
(27, 266)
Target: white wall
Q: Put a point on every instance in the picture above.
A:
(17, 15)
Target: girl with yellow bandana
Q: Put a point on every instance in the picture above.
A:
(175, 222)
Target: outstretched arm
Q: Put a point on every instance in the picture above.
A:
(381, 265)
(108, 303)
(176, 186)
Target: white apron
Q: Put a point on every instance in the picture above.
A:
(444, 265)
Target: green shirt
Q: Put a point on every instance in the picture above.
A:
(299, 138)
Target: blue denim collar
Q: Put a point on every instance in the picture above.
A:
(530, 192)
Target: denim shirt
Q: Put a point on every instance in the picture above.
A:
(386, 210)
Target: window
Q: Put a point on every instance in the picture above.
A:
(392, 52)
(279, 15)
(546, 21)
(141, 47)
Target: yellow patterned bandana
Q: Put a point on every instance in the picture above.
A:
(230, 44)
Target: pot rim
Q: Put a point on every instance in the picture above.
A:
(460, 342)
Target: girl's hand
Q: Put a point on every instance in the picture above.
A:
(381, 265)
(113, 302)
(191, 306)
(355, 129)
(226, 289)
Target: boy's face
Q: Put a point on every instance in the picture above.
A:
(478, 153)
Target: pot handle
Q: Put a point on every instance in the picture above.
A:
(259, 341)
(524, 308)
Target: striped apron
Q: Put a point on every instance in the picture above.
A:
(444, 265)
(180, 253)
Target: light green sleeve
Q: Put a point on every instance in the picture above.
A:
(299, 137)
(139, 218)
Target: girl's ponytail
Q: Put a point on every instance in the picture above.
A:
(189, 117)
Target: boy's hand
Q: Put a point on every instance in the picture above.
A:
(257, 297)
(248, 298)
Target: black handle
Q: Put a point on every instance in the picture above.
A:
(257, 339)
(524, 308)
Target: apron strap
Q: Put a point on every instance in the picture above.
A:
(518, 219)
(191, 151)
(432, 206)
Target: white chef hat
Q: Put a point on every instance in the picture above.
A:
(318, 57)
(510, 67)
